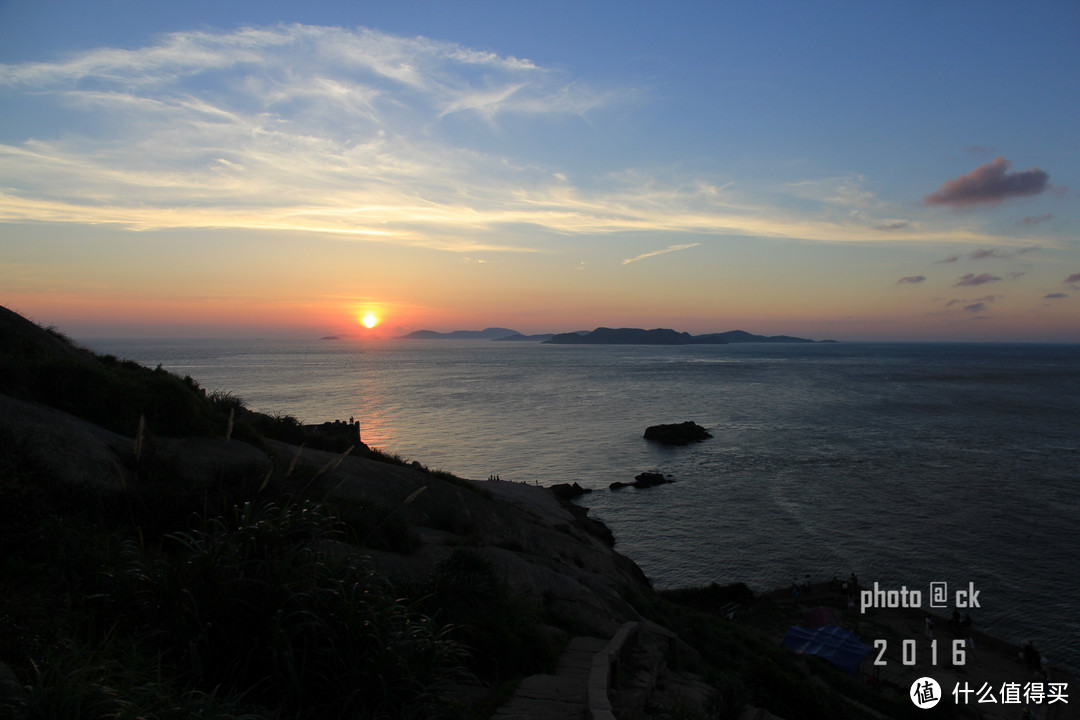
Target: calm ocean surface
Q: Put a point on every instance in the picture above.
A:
(905, 463)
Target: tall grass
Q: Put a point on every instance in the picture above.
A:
(270, 603)
(150, 605)
(80, 682)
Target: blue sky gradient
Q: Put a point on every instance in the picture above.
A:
(861, 171)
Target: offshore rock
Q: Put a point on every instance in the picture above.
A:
(677, 433)
(568, 491)
(643, 480)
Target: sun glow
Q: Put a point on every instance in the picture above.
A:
(369, 320)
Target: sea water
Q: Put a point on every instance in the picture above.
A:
(904, 463)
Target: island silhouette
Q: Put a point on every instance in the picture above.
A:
(611, 336)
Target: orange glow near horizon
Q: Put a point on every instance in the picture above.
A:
(881, 315)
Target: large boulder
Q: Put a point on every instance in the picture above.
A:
(68, 450)
(677, 433)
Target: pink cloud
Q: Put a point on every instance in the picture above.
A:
(1075, 277)
(989, 184)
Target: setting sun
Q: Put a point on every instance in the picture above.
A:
(369, 320)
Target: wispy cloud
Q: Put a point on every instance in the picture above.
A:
(975, 305)
(990, 254)
(911, 280)
(989, 184)
(370, 136)
(654, 253)
(971, 279)
(291, 127)
(1000, 253)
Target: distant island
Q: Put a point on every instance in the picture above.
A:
(486, 334)
(665, 336)
(632, 336)
(611, 336)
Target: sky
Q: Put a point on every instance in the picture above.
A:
(859, 171)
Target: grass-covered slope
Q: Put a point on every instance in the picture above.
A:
(43, 366)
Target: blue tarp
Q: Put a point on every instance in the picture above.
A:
(838, 645)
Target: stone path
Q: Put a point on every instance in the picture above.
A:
(594, 677)
(562, 695)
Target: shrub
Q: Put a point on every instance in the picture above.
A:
(501, 631)
(269, 603)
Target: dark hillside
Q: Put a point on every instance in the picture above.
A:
(168, 554)
(42, 365)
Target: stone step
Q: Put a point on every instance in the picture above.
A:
(561, 695)
(565, 694)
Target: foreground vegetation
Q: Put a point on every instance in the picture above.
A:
(270, 609)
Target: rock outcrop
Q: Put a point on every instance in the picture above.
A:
(644, 480)
(568, 491)
(677, 433)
